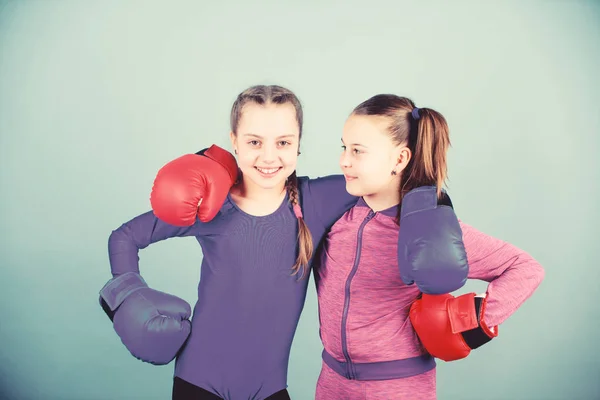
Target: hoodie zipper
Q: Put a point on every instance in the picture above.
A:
(350, 369)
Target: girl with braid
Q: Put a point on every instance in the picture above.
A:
(258, 225)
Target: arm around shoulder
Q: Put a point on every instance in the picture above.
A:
(329, 197)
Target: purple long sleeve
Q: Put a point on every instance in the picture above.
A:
(329, 198)
(125, 242)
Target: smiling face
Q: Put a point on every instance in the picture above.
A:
(267, 142)
(369, 156)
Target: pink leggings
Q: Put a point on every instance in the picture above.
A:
(333, 386)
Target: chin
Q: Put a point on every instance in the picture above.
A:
(268, 183)
(354, 191)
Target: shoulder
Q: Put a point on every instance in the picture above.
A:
(326, 197)
(228, 212)
(321, 185)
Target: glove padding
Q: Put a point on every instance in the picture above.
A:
(431, 252)
(450, 327)
(193, 186)
(152, 325)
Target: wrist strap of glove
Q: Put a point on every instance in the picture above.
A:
(481, 334)
(423, 198)
(116, 290)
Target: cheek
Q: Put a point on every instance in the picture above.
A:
(369, 168)
(246, 158)
(289, 158)
(373, 173)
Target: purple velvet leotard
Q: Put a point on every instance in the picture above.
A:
(248, 303)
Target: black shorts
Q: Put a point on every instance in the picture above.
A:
(183, 390)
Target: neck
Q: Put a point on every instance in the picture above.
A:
(384, 199)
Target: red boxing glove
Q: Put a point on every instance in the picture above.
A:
(450, 327)
(193, 186)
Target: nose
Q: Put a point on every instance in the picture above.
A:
(269, 155)
(344, 160)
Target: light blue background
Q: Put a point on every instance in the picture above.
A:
(96, 96)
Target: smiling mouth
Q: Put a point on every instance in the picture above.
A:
(268, 171)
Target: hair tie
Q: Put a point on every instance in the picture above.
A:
(415, 113)
(297, 211)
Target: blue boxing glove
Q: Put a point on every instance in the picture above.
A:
(152, 325)
(431, 252)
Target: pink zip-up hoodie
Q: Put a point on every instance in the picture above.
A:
(364, 305)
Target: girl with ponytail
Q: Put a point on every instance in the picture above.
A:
(380, 333)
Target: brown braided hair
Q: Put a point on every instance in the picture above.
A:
(305, 241)
(273, 94)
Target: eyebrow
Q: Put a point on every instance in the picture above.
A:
(355, 144)
(278, 137)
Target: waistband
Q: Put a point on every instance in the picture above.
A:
(383, 370)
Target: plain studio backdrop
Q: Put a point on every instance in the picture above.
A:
(96, 96)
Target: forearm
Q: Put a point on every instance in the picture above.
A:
(509, 291)
(512, 273)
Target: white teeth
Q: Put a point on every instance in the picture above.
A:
(267, 170)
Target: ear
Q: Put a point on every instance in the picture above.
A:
(233, 139)
(403, 157)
